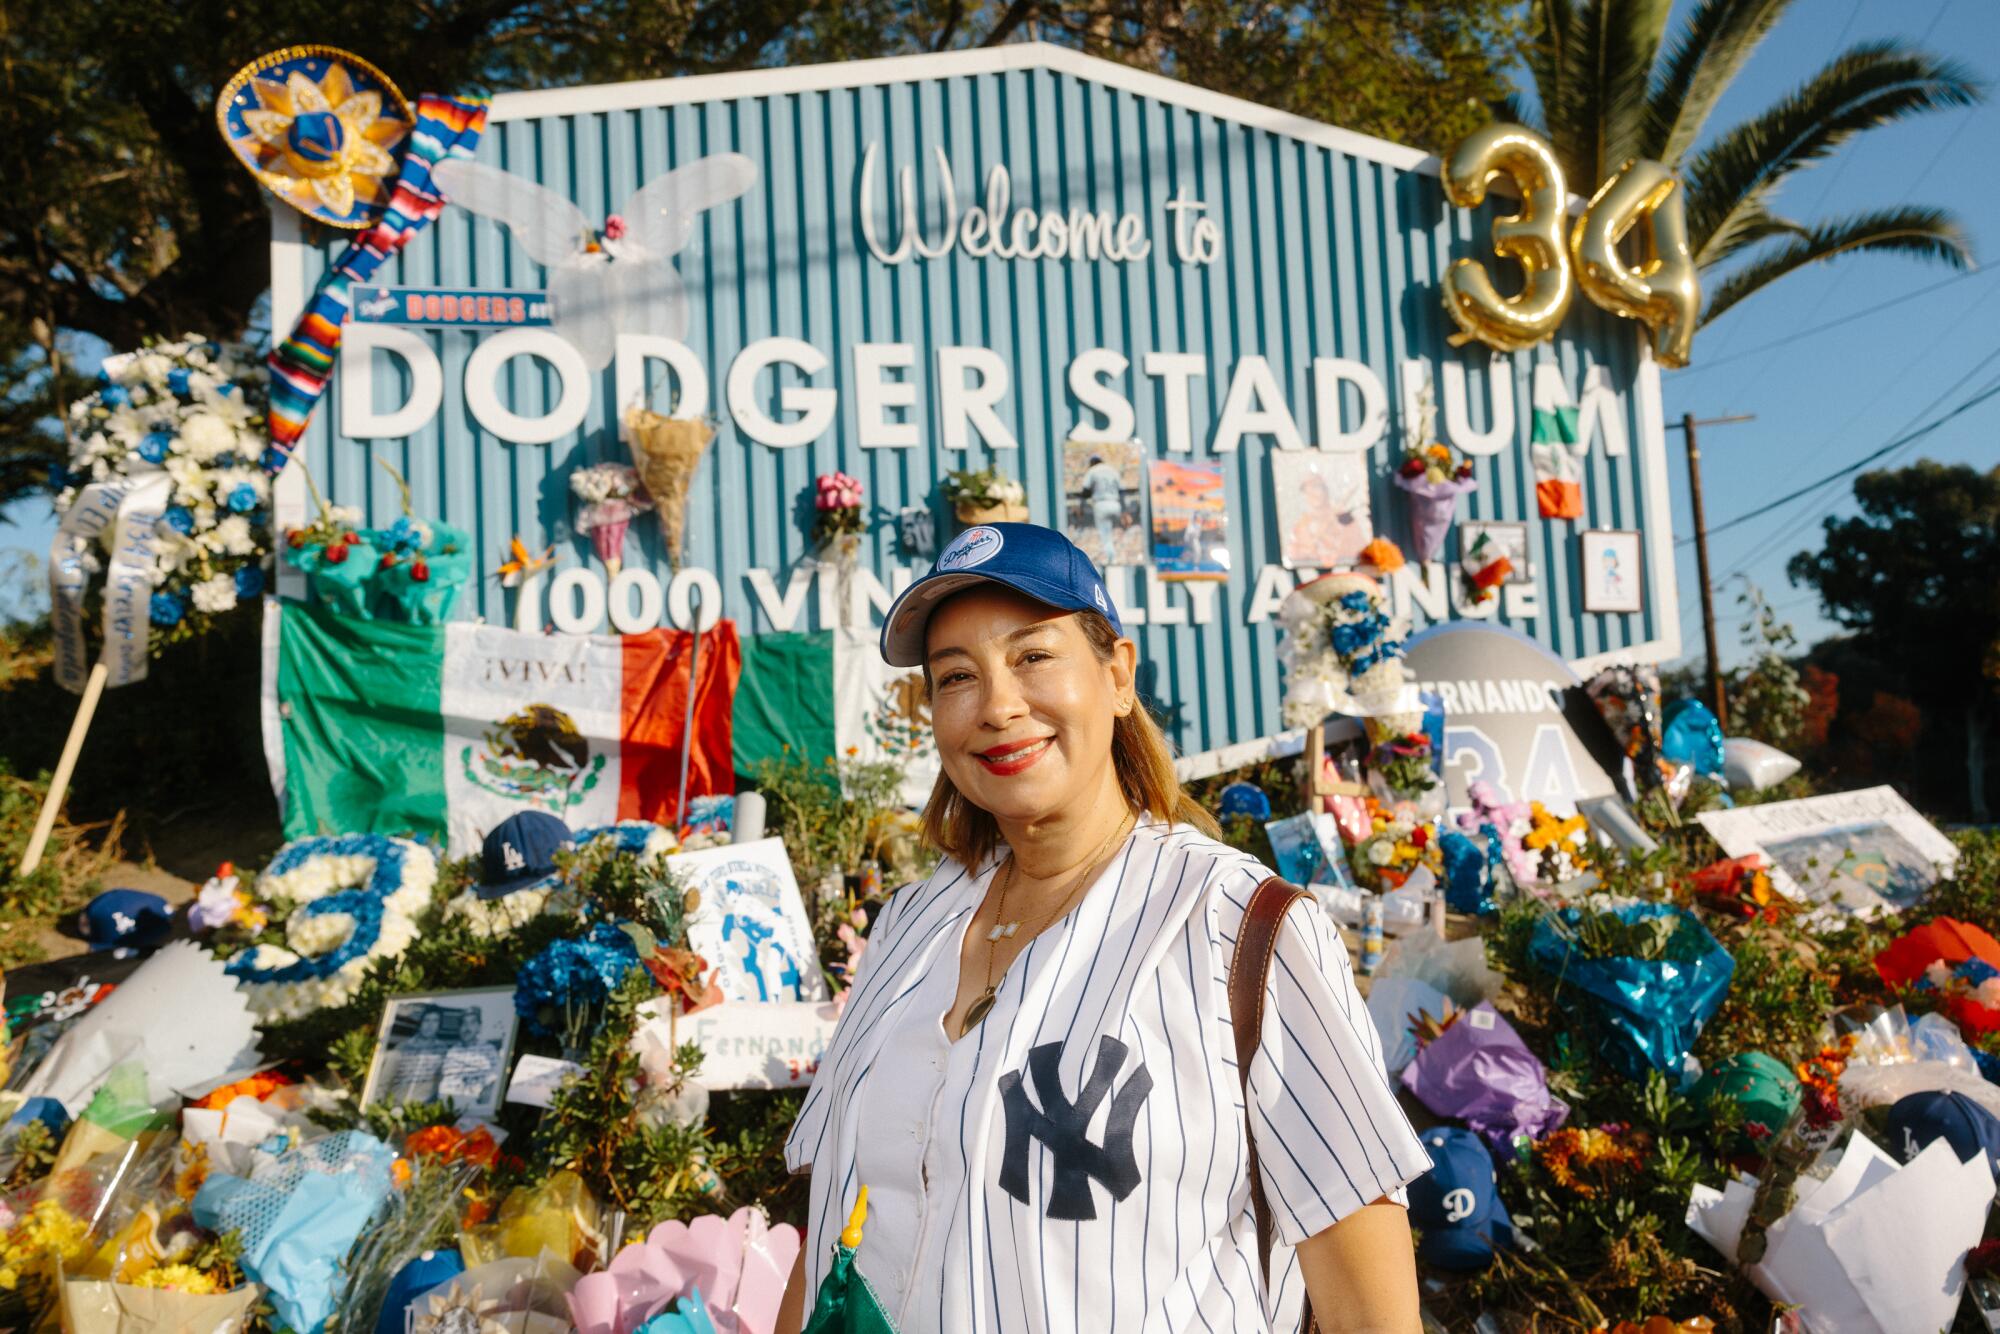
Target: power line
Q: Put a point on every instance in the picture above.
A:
(1834, 323)
(1804, 521)
(1866, 459)
(1891, 383)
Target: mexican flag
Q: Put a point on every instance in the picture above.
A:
(830, 693)
(446, 730)
(1552, 448)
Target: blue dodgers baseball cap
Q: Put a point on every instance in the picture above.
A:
(520, 850)
(1918, 1119)
(125, 919)
(1026, 557)
(1456, 1204)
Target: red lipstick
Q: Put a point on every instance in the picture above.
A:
(1015, 756)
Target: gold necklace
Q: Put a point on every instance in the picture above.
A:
(983, 1002)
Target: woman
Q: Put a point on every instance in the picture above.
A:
(1034, 1074)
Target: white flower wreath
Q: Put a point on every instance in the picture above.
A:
(345, 902)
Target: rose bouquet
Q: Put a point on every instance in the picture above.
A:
(178, 426)
(838, 521)
(611, 494)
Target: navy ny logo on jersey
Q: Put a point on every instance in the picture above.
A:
(1062, 1127)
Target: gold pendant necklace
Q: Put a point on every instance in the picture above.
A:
(982, 1004)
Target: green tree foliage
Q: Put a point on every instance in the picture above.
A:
(124, 215)
(1766, 698)
(1912, 577)
(1611, 86)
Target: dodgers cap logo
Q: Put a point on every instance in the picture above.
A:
(974, 546)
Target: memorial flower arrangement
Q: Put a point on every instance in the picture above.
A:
(612, 496)
(188, 416)
(1341, 647)
(837, 501)
(1433, 478)
(344, 902)
(410, 571)
(838, 518)
(666, 451)
(1393, 850)
(984, 495)
(1560, 847)
(563, 990)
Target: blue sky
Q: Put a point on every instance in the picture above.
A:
(1823, 399)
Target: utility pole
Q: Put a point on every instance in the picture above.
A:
(1686, 426)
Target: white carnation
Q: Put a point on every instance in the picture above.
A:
(125, 425)
(233, 535)
(190, 479)
(152, 368)
(217, 594)
(207, 437)
(312, 936)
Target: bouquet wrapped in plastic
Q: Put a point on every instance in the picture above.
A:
(1480, 1072)
(666, 451)
(1654, 969)
(1433, 478)
(612, 496)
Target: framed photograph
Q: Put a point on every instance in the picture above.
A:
(1480, 543)
(1322, 500)
(1190, 521)
(444, 1046)
(1103, 482)
(1613, 573)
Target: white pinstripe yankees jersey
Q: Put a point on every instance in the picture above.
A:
(1076, 1164)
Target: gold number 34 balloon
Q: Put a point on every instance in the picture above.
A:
(1532, 238)
(1664, 291)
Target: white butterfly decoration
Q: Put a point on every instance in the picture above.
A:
(622, 281)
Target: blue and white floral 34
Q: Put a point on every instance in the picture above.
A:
(346, 902)
(189, 413)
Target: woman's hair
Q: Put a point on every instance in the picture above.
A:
(1140, 753)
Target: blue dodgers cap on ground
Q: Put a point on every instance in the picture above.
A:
(125, 918)
(1026, 557)
(1456, 1204)
(1918, 1119)
(521, 849)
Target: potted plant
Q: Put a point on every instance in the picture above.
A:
(986, 497)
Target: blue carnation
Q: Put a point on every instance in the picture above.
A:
(166, 609)
(180, 519)
(114, 396)
(154, 447)
(242, 498)
(58, 477)
(274, 460)
(249, 581)
(226, 389)
(177, 380)
(571, 975)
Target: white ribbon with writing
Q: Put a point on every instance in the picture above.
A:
(130, 509)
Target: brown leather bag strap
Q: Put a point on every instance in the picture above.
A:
(1249, 975)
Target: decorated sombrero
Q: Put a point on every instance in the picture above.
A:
(321, 128)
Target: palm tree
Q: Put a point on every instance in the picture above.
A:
(1610, 88)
